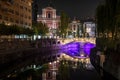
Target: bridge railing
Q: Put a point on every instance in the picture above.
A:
(67, 40)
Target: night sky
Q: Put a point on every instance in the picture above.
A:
(73, 8)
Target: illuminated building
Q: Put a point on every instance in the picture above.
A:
(50, 18)
(75, 29)
(86, 28)
(16, 12)
(89, 28)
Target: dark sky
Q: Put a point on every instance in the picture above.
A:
(74, 8)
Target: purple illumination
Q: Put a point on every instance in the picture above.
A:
(71, 49)
(75, 48)
(87, 47)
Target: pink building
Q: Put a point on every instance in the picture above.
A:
(50, 18)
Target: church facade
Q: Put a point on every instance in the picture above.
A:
(49, 18)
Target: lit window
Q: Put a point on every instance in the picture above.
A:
(29, 3)
(88, 30)
(38, 16)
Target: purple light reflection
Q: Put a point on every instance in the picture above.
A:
(87, 47)
(74, 48)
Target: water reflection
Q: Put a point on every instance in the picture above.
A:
(77, 48)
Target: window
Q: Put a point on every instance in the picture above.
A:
(25, 23)
(88, 30)
(16, 12)
(0, 6)
(25, 8)
(0, 16)
(10, 1)
(5, 9)
(21, 7)
(74, 27)
(11, 11)
(21, 15)
(25, 16)
(29, 17)
(11, 19)
(29, 10)
(29, 3)
(23, 0)
(93, 29)
(21, 22)
(30, 24)
(6, 18)
(16, 21)
(49, 16)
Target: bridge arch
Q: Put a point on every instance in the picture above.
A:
(76, 48)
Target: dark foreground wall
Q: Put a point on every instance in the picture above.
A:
(111, 66)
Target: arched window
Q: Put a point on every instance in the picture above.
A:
(49, 16)
(74, 27)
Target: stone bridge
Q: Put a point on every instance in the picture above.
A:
(91, 40)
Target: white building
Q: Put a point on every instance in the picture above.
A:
(75, 29)
(86, 28)
(89, 28)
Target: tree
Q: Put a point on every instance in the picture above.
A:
(31, 73)
(106, 17)
(64, 70)
(3, 29)
(100, 16)
(40, 29)
(118, 18)
(13, 30)
(64, 24)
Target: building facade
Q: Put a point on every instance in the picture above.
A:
(16, 12)
(85, 28)
(50, 18)
(89, 28)
(75, 29)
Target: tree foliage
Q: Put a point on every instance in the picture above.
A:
(107, 16)
(64, 73)
(40, 29)
(64, 23)
(14, 30)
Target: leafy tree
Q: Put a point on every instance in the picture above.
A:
(13, 30)
(63, 71)
(3, 29)
(28, 73)
(118, 18)
(107, 22)
(40, 29)
(64, 24)
(100, 13)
